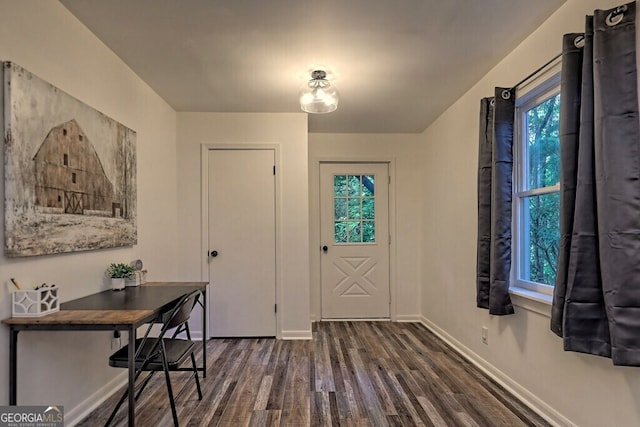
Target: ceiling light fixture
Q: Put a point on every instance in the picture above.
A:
(318, 96)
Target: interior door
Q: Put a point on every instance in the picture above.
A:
(242, 261)
(354, 230)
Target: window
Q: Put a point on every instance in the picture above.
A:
(537, 187)
(354, 208)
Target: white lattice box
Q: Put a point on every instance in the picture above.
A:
(35, 302)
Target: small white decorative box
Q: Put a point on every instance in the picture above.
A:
(35, 302)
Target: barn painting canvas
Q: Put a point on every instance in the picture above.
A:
(70, 171)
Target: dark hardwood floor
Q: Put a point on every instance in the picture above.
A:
(350, 374)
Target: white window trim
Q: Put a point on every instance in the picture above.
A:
(533, 296)
(531, 300)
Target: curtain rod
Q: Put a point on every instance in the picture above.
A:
(537, 71)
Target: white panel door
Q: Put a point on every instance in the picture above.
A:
(242, 261)
(354, 231)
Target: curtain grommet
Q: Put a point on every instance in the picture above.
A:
(492, 102)
(506, 94)
(579, 41)
(615, 16)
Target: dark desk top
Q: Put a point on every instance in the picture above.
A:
(132, 298)
(131, 306)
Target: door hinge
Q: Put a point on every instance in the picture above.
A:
(275, 308)
(274, 169)
(389, 179)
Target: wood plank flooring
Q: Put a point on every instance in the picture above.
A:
(350, 374)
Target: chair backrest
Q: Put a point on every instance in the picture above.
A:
(179, 313)
(175, 315)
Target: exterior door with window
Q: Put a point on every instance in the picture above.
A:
(354, 231)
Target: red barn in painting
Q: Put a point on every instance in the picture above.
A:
(69, 175)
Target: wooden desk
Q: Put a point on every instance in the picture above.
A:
(124, 310)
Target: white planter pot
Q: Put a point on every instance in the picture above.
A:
(117, 284)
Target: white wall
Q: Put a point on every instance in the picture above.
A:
(571, 388)
(63, 367)
(289, 133)
(405, 209)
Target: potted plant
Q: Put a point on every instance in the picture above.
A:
(119, 272)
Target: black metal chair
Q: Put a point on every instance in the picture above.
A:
(159, 353)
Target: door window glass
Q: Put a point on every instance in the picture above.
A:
(354, 208)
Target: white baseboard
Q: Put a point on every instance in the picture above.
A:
(286, 335)
(80, 412)
(398, 318)
(408, 318)
(296, 335)
(524, 395)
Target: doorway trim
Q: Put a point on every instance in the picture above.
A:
(314, 232)
(204, 219)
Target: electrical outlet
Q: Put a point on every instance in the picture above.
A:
(115, 340)
(485, 335)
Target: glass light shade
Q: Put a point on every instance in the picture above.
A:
(318, 96)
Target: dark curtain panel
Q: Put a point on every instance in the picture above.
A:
(596, 304)
(570, 93)
(495, 170)
(483, 265)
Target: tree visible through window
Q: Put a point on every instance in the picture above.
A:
(537, 189)
(354, 208)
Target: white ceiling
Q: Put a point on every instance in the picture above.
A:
(397, 64)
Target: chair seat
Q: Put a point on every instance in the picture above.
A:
(177, 352)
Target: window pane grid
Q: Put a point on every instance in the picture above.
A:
(354, 208)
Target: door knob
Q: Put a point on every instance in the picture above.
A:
(325, 248)
(214, 253)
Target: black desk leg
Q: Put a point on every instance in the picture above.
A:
(204, 333)
(13, 366)
(132, 376)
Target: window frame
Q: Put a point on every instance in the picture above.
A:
(538, 94)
